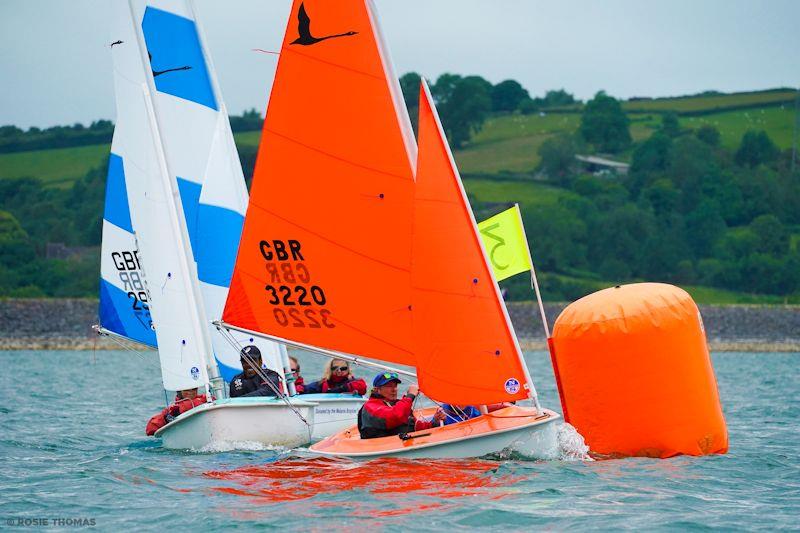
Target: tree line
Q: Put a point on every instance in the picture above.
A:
(689, 211)
(14, 139)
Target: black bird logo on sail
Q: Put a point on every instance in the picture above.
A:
(304, 29)
(160, 72)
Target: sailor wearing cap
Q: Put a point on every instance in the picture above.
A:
(384, 415)
(250, 381)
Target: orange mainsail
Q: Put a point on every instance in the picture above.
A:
(465, 347)
(325, 252)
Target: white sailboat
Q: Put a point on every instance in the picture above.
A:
(342, 251)
(176, 227)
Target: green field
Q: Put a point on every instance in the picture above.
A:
(58, 167)
(709, 103)
(511, 143)
(528, 194)
(778, 122)
(505, 144)
(247, 138)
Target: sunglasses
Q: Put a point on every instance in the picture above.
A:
(296, 369)
(342, 368)
(390, 375)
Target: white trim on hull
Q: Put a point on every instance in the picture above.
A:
(537, 440)
(264, 420)
(334, 412)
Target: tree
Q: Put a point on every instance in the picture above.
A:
(756, 148)
(704, 226)
(465, 108)
(670, 125)
(507, 95)
(604, 124)
(709, 135)
(409, 83)
(560, 237)
(650, 159)
(772, 235)
(558, 157)
(556, 98)
(444, 87)
(527, 106)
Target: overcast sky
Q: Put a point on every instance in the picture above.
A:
(55, 65)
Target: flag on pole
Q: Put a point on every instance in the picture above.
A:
(504, 239)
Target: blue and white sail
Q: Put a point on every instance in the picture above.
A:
(201, 156)
(156, 217)
(124, 302)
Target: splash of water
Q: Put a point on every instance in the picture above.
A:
(229, 446)
(571, 445)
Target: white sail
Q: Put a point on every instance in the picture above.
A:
(183, 341)
(124, 303)
(201, 156)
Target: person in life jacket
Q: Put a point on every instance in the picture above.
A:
(299, 383)
(458, 413)
(184, 401)
(384, 415)
(250, 381)
(337, 378)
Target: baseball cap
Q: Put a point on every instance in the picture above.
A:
(384, 378)
(251, 352)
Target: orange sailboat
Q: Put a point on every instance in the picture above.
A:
(355, 243)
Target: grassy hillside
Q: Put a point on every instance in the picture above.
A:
(58, 167)
(497, 165)
(505, 143)
(711, 103)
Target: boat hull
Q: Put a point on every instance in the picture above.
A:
(334, 413)
(520, 429)
(264, 420)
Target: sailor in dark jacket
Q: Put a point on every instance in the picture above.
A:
(249, 382)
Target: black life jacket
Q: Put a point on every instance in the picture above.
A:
(373, 427)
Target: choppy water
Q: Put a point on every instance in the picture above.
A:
(73, 447)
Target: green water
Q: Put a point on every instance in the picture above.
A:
(73, 449)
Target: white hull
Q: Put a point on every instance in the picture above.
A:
(269, 421)
(334, 412)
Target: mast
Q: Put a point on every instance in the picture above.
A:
(209, 370)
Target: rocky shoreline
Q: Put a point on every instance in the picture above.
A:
(65, 324)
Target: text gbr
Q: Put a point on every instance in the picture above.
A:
(297, 303)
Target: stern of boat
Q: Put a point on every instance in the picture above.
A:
(264, 420)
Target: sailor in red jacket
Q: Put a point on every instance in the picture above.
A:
(184, 401)
(384, 415)
(337, 378)
(299, 383)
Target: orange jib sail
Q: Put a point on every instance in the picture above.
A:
(326, 247)
(465, 347)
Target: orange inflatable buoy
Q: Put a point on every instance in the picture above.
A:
(634, 373)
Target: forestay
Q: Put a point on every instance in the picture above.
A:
(326, 247)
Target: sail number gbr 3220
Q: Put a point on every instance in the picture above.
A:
(297, 302)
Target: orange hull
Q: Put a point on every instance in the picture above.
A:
(479, 436)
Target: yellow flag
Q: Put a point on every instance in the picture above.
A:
(504, 239)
